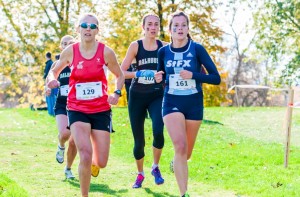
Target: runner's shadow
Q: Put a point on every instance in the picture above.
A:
(73, 182)
(102, 188)
(211, 122)
(155, 194)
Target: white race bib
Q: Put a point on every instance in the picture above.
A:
(64, 90)
(89, 90)
(177, 83)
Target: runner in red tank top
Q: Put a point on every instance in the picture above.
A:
(92, 72)
(89, 112)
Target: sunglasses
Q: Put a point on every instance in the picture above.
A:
(86, 25)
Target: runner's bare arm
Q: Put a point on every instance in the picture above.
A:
(66, 58)
(47, 79)
(47, 89)
(129, 58)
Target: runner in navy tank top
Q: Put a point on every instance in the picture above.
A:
(180, 66)
(145, 95)
(60, 112)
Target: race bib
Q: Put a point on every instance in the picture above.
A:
(147, 80)
(177, 83)
(64, 90)
(89, 90)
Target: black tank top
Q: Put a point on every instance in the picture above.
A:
(63, 79)
(146, 60)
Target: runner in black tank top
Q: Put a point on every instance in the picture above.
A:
(61, 101)
(145, 95)
(146, 61)
(60, 112)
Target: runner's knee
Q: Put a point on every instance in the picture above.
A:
(138, 151)
(158, 140)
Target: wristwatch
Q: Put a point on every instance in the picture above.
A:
(118, 92)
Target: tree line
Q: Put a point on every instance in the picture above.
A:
(34, 27)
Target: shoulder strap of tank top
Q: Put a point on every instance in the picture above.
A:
(76, 52)
(159, 44)
(76, 47)
(140, 45)
(100, 49)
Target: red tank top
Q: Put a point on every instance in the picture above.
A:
(88, 83)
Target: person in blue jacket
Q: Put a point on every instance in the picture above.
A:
(50, 98)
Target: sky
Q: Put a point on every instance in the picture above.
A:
(242, 19)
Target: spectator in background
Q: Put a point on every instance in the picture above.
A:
(50, 99)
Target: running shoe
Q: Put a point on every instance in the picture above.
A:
(157, 176)
(138, 182)
(69, 174)
(95, 170)
(186, 195)
(172, 166)
(60, 155)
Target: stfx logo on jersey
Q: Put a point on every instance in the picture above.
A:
(178, 63)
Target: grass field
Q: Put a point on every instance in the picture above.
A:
(239, 152)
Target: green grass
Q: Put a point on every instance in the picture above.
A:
(10, 188)
(238, 152)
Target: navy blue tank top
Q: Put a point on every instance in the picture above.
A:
(175, 62)
(63, 79)
(146, 60)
